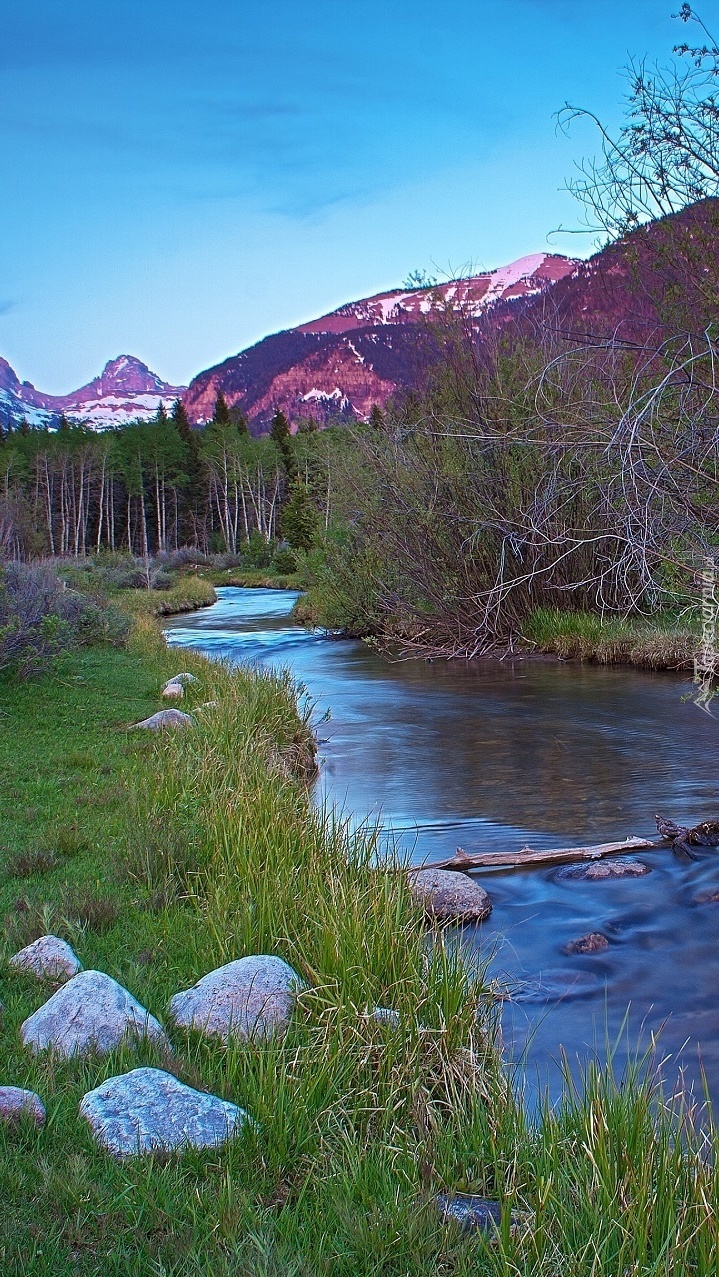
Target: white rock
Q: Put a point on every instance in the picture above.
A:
(183, 680)
(252, 997)
(173, 692)
(164, 719)
(16, 1103)
(148, 1109)
(50, 958)
(450, 896)
(385, 1015)
(92, 1012)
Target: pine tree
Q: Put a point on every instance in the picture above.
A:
(376, 417)
(161, 414)
(239, 420)
(181, 420)
(24, 426)
(63, 424)
(222, 413)
(300, 521)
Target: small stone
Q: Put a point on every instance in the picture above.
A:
(601, 870)
(472, 1213)
(450, 896)
(708, 897)
(16, 1103)
(252, 997)
(173, 692)
(182, 680)
(92, 1012)
(50, 958)
(164, 719)
(385, 1015)
(148, 1110)
(593, 942)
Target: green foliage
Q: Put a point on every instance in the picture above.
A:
(300, 521)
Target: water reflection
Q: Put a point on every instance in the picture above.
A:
(490, 756)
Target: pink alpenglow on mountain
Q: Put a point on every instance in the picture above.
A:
(338, 366)
(125, 391)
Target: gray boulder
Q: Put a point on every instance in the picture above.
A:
(385, 1015)
(92, 1012)
(602, 870)
(252, 997)
(471, 1212)
(450, 896)
(165, 719)
(147, 1110)
(15, 1103)
(50, 958)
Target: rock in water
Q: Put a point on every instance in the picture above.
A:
(16, 1103)
(50, 958)
(92, 1012)
(148, 1109)
(601, 870)
(450, 896)
(469, 1211)
(164, 719)
(252, 997)
(173, 692)
(594, 942)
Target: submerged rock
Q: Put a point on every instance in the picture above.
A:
(385, 1015)
(710, 896)
(147, 1110)
(92, 1012)
(601, 870)
(16, 1103)
(449, 895)
(50, 958)
(252, 997)
(593, 942)
(471, 1212)
(164, 719)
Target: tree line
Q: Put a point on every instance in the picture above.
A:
(153, 486)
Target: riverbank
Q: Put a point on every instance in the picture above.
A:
(206, 847)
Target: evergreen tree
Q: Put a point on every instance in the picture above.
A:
(161, 414)
(24, 426)
(282, 439)
(63, 424)
(221, 415)
(300, 521)
(182, 421)
(239, 420)
(376, 417)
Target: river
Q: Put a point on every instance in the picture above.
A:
(491, 756)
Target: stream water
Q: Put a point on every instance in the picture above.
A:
(491, 756)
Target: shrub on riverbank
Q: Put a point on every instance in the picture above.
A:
(40, 617)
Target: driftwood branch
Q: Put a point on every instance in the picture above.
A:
(557, 856)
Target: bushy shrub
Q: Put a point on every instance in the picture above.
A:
(40, 616)
(284, 561)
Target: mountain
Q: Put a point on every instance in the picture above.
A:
(125, 390)
(344, 362)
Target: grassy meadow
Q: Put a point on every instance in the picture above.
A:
(161, 858)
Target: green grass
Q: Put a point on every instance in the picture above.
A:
(206, 846)
(188, 592)
(658, 642)
(258, 578)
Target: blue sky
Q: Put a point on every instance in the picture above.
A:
(180, 179)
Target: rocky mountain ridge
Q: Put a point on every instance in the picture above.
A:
(125, 390)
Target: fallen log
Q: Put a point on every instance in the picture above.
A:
(518, 859)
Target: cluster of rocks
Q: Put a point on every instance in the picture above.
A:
(148, 1108)
(166, 719)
